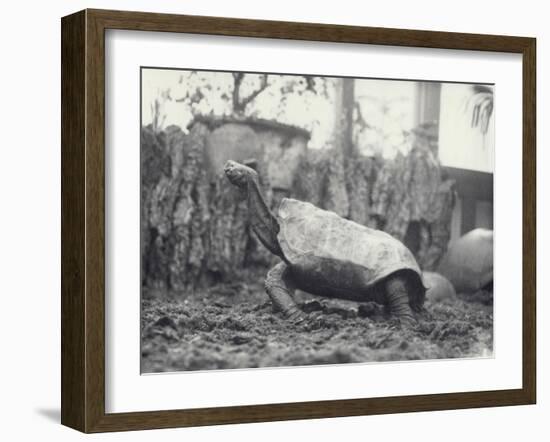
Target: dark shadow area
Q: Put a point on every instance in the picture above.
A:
(52, 414)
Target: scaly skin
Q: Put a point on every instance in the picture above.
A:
(264, 223)
(280, 288)
(398, 299)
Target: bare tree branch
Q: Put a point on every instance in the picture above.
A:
(237, 80)
(263, 85)
(239, 104)
(360, 119)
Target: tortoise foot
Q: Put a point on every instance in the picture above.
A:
(401, 322)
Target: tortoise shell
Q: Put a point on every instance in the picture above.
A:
(309, 234)
(468, 263)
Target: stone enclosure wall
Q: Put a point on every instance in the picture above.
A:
(194, 225)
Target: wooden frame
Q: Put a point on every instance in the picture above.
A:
(83, 217)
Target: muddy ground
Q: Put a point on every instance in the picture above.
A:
(233, 326)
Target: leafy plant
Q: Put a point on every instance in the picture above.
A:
(481, 104)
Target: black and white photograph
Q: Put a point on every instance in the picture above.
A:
(299, 220)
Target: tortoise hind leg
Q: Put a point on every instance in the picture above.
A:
(280, 288)
(398, 299)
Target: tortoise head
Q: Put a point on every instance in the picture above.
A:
(239, 174)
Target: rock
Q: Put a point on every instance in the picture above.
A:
(439, 287)
(164, 328)
(165, 321)
(241, 339)
(468, 263)
(311, 306)
(345, 313)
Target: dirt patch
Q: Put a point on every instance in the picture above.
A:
(233, 326)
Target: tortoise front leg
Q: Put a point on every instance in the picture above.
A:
(398, 299)
(280, 288)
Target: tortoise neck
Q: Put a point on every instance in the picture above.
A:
(263, 222)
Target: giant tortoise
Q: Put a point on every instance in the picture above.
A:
(326, 255)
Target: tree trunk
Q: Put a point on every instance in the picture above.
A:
(343, 110)
(337, 198)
